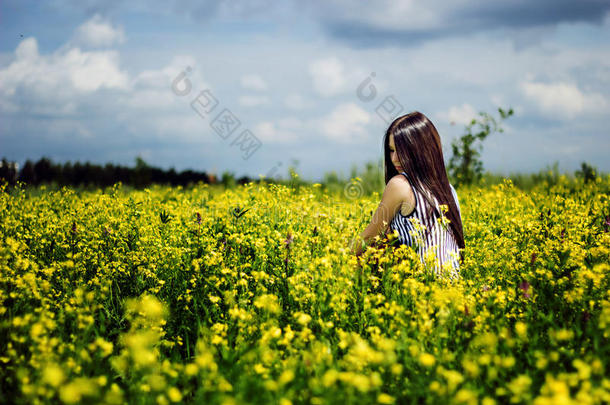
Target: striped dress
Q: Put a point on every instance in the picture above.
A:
(439, 240)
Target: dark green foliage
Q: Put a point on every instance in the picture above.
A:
(465, 166)
(587, 173)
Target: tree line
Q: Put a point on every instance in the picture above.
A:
(45, 171)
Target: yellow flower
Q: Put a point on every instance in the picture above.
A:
(384, 398)
(286, 377)
(70, 394)
(268, 302)
(174, 394)
(157, 382)
(302, 318)
(53, 375)
(519, 387)
(260, 369)
(521, 329)
(454, 378)
(191, 369)
(564, 334)
(105, 346)
(465, 396)
(427, 360)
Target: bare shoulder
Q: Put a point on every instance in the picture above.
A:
(399, 188)
(399, 185)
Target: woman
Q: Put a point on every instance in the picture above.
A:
(416, 188)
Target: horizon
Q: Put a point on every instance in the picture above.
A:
(280, 176)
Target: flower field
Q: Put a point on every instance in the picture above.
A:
(250, 295)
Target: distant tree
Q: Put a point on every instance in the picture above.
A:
(172, 177)
(587, 173)
(142, 174)
(44, 170)
(228, 179)
(67, 174)
(91, 174)
(27, 173)
(465, 165)
(8, 171)
(244, 180)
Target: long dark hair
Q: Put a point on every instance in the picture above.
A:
(420, 154)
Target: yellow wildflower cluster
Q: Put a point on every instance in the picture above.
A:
(250, 295)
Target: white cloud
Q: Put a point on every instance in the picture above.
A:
(253, 101)
(41, 83)
(150, 89)
(74, 87)
(149, 99)
(161, 78)
(265, 131)
(96, 32)
(90, 71)
(291, 123)
(27, 50)
(253, 82)
(345, 123)
(295, 101)
(334, 76)
(328, 76)
(458, 115)
(282, 131)
(563, 99)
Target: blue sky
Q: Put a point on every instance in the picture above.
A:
(92, 80)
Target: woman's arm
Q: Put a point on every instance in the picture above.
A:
(394, 195)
